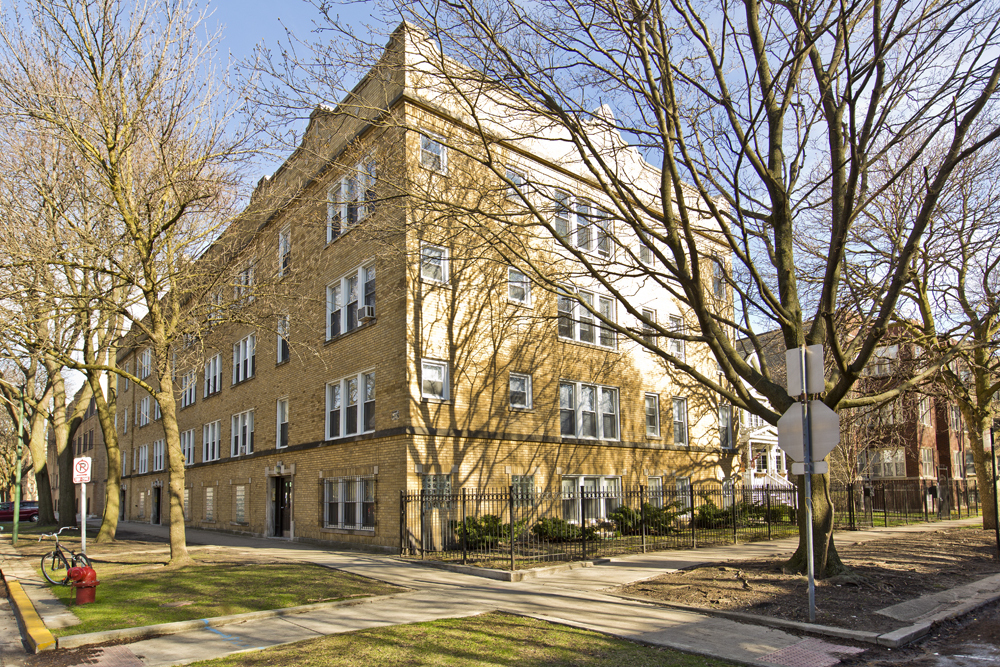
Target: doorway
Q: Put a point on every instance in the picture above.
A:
(121, 506)
(282, 499)
(155, 518)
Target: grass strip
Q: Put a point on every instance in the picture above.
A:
(490, 639)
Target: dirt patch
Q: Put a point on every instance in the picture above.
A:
(885, 572)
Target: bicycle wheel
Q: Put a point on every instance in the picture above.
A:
(55, 568)
(81, 560)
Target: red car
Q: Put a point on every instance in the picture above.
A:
(29, 511)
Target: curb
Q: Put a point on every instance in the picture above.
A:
(504, 575)
(177, 627)
(39, 637)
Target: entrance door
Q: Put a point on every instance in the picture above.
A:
(156, 505)
(121, 506)
(282, 507)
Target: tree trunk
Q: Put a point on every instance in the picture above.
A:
(38, 446)
(175, 465)
(826, 561)
(112, 486)
(64, 427)
(984, 476)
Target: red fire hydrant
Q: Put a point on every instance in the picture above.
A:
(85, 582)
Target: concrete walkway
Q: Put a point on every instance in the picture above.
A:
(574, 597)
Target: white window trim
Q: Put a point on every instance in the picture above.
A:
(189, 381)
(279, 404)
(338, 486)
(187, 446)
(241, 446)
(342, 387)
(579, 317)
(213, 375)
(347, 199)
(159, 455)
(606, 485)
(599, 391)
(682, 401)
(211, 443)
(284, 250)
(427, 138)
(527, 388)
(655, 432)
(425, 364)
(515, 180)
(283, 332)
(245, 359)
(593, 237)
(342, 284)
(143, 460)
(145, 363)
(445, 261)
(677, 347)
(526, 284)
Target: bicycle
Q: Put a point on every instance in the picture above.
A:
(56, 563)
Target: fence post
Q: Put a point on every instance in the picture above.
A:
(958, 496)
(642, 514)
(850, 506)
(923, 499)
(733, 486)
(510, 507)
(402, 522)
(583, 525)
(694, 539)
(767, 492)
(423, 505)
(465, 531)
(885, 508)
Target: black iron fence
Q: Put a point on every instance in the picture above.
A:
(511, 528)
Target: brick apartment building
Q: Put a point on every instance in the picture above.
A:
(394, 350)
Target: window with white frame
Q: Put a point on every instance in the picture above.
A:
(345, 296)
(581, 224)
(142, 412)
(243, 285)
(211, 441)
(680, 421)
(520, 391)
(215, 308)
(242, 434)
(588, 411)
(645, 253)
(141, 510)
(209, 503)
(350, 406)
(157, 413)
(883, 463)
(122, 380)
(434, 379)
(518, 286)
(281, 349)
(124, 463)
(213, 375)
(684, 492)
(677, 346)
(187, 446)
(648, 330)
(523, 490)
(240, 503)
(515, 185)
(718, 278)
(284, 251)
(577, 322)
(187, 504)
(433, 264)
(589, 499)
(188, 382)
(725, 426)
(144, 365)
(882, 361)
(245, 359)
(655, 491)
(652, 402)
(125, 420)
(281, 429)
(159, 451)
(437, 490)
(350, 199)
(924, 411)
(349, 503)
(433, 154)
(142, 460)
(927, 463)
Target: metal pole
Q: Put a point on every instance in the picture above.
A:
(510, 504)
(465, 531)
(996, 502)
(83, 517)
(807, 479)
(17, 478)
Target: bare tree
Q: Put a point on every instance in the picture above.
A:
(757, 124)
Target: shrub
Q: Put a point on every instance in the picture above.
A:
(554, 529)
(484, 531)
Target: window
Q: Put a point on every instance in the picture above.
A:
(718, 279)
(970, 464)
(350, 406)
(883, 463)
(645, 253)
(142, 460)
(762, 461)
(881, 362)
(924, 411)
(211, 441)
(515, 184)
(145, 364)
(655, 491)
(243, 285)
(142, 412)
(434, 379)
(648, 331)
(437, 490)
(159, 449)
(433, 154)
(124, 465)
(284, 251)
(581, 224)
(282, 423)
(245, 359)
(590, 499)
(188, 382)
(187, 504)
(434, 264)
(209, 503)
(927, 463)
(349, 503)
(680, 421)
(213, 375)
(523, 489)
(187, 446)
(125, 420)
(676, 347)
(520, 391)
(142, 504)
(240, 503)
(576, 321)
(956, 465)
(725, 426)
(282, 351)
(242, 434)
(518, 287)
(588, 411)
(652, 416)
(350, 199)
(157, 413)
(955, 419)
(122, 380)
(215, 308)
(342, 300)
(684, 492)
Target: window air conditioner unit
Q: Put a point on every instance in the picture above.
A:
(366, 313)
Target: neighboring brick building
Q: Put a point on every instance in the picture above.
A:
(396, 350)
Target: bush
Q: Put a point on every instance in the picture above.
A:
(484, 531)
(710, 515)
(659, 520)
(554, 529)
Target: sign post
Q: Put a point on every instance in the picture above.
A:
(81, 475)
(808, 432)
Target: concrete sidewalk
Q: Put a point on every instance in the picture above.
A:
(575, 597)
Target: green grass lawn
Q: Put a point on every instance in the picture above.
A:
(487, 640)
(137, 589)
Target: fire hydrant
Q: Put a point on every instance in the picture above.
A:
(84, 580)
